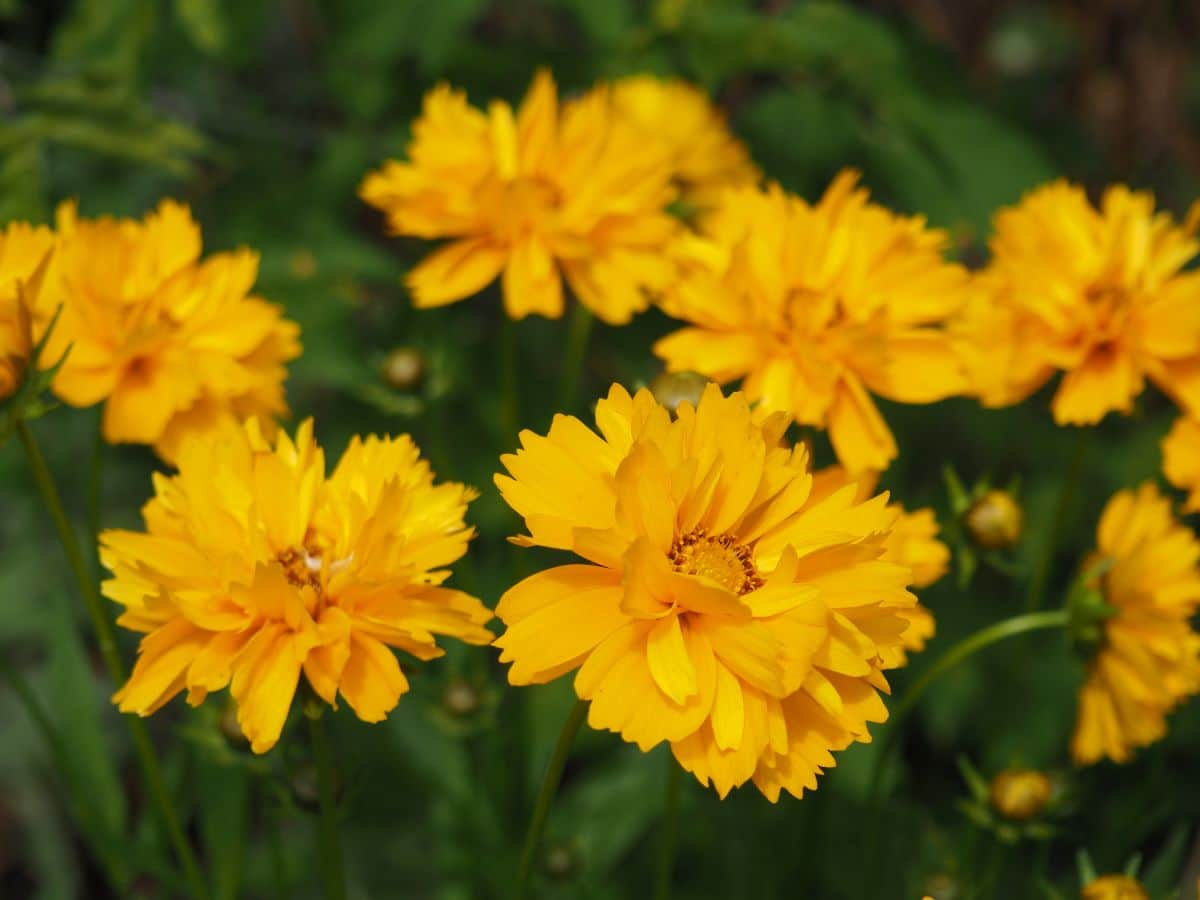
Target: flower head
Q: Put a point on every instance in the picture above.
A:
(171, 345)
(1149, 657)
(817, 306)
(719, 606)
(1181, 459)
(23, 248)
(1099, 294)
(256, 567)
(1114, 887)
(705, 155)
(548, 192)
(995, 520)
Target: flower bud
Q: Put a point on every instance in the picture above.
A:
(1020, 794)
(673, 388)
(560, 860)
(994, 520)
(460, 698)
(306, 788)
(1114, 887)
(404, 368)
(230, 727)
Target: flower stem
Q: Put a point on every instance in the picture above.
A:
(510, 400)
(95, 495)
(1041, 575)
(577, 342)
(329, 845)
(541, 810)
(670, 831)
(143, 749)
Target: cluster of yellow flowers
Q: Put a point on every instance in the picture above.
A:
(729, 600)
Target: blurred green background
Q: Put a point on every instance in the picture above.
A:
(264, 115)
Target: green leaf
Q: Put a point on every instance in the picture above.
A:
(204, 23)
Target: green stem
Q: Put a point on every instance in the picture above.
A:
(1041, 575)
(670, 831)
(510, 401)
(95, 496)
(329, 845)
(143, 749)
(541, 810)
(577, 342)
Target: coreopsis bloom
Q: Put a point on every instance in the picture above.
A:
(718, 606)
(23, 248)
(1149, 659)
(1020, 794)
(1114, 887)
(171, 344)
(1181, 459)
(255, 568)
(548, 192)
(816, 307)
(706, 157)
(1099, 294)
(912, 543)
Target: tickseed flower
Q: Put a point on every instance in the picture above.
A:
(171, 345)
(1114, 887)
(1181, 459)
(705, 155)
(718, 606)
(912, 543)
(1149, 657)
(255, 567)
(548, 192)
(1020, 794)
(816, 306)
(23, 248)
(1099, 294)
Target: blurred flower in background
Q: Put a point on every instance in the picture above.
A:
(23, 248)
(1148, 659)
(1114, 887)
(1181, 459)
(552, 191)
(817, 306)
(255, 567)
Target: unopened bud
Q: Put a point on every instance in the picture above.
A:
(460, 698)
(994, 520)
(404, 368)
(1114, 887)
(306, 788)
(674, 388)
(560, 860)
(1020, 794)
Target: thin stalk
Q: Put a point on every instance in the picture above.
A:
(329, 844)
(95, 496)
(510, 400)
(143, 749)
(1041, 575)
(545, 799)
(670, 831)
(578, 333)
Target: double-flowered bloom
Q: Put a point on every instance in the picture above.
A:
(255, 569)
(1148, 661)
(817, 307)
(721, 605)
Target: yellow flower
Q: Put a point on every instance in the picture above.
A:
(23, 247)
(719, 606)
(1181, 459)
(171, 345)
(818, 306)
(1149, 660)
(534, 196)
(1114, 887)
(705, 156)
(1020, 794)
(1098, 294)
(912, 543)
(255, 567)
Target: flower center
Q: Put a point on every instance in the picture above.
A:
(719, 558)
(302, 568)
